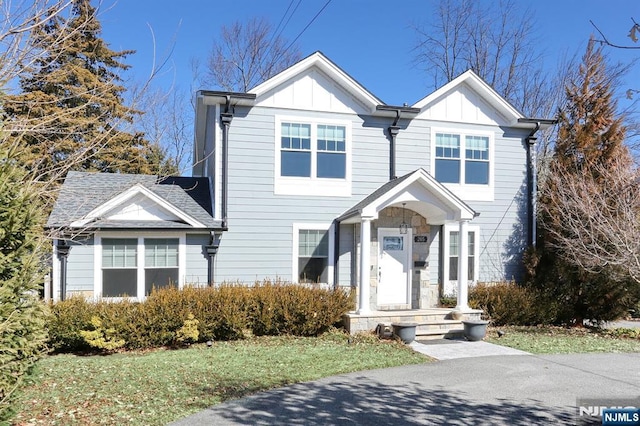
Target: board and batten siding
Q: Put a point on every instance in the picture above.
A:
(80, 266)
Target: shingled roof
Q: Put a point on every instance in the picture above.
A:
(83, 192)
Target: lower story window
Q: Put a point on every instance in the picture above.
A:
(160, 262)
(119, 267)
(313, 256)
(132, 267)
(454, 255)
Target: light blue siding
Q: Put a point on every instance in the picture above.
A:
(80, 266)
(259, 242)
(197, 262)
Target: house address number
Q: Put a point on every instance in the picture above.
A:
(421, 239)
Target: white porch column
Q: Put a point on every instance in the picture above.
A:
(364, 302)
(463, 267)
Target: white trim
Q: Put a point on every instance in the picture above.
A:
(295, 251)
(484, 90)
(140, 266)
(55, 274)
(326, 187)
(129, 194)
(446, 231)
(320, 61)
(467, 192)
(454, 206)
(217, 170)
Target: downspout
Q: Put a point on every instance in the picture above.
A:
(393, 132)
(63, 253)
(531, 187)
(225, 119)
(212, 250)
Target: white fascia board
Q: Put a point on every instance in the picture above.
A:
(479, 85)
(443, 194)
(129, 194)
(334, 72)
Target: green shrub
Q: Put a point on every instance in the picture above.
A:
(100, 337)
(188, 333)
(192, 314)
(507, 303)
(448, 301)
(297, 310)
(66, 319)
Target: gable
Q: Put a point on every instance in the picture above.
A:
(315, 83)
(132, 202)
(314, 91)
(463, 104)
(468, 98)
(140, 208)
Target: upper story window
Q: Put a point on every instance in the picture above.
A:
(326, 159)
(295, 149)
(476, 165)
(313, 157)
(463, 161)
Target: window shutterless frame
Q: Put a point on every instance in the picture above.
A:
(312, 156)
(108, 255)
(464, 161)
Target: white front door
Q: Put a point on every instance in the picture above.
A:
(394, 271)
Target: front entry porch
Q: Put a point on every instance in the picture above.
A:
(400, 261)
(433, 323)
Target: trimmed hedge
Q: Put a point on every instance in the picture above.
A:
(507, 303)
(228, 312)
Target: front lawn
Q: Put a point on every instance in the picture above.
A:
(559, 340)
(164, 385)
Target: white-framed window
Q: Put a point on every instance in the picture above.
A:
(451, 254)
(133, 266)
(313, 157)
(463, 161)
(312, 253)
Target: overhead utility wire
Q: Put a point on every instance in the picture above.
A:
(308, 25)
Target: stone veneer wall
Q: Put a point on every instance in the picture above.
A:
(423, 293)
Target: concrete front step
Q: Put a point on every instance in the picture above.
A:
(432, 322)
(438, 329)
(436, 335)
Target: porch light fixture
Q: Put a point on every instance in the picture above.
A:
(403, 226)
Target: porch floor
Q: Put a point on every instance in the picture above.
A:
(433, 323)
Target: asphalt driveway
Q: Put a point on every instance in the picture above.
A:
(496, 390)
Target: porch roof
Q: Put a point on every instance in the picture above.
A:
(421, 193)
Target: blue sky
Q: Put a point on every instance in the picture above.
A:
(371, 40)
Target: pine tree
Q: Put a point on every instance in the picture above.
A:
(590, 145)
(71, 112)
(22, 325)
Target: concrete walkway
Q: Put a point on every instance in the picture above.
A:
(442, 349)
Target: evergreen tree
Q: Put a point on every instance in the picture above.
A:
(22, 325)
(590, 144)
(71, 112)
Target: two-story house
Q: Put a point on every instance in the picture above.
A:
(309, 177)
